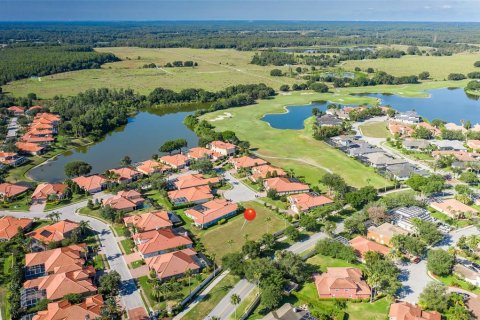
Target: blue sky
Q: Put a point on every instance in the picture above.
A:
(351, 10)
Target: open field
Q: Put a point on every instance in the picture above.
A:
(375, 130)
(439, 67)
(296, 149)
(216, 69)
(216, 239)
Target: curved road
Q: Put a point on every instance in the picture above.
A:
(129, 295)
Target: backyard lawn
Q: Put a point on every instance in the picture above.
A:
(128, 246)
(295, 149)
(230, 237)
(377, 129)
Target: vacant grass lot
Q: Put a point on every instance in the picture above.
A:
(376, 129)
(216, 69)
(439, 67)
(296, 149)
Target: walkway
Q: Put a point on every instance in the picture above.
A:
(129, 294)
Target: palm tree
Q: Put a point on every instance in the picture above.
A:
(235, 300)
(267, 222)
(188, 274)
(83, 226)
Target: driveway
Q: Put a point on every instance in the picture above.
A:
(129, 294)
(414, 279)
(38, 206)
(239, 192)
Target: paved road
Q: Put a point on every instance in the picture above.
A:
(130, 295)
(239, 192)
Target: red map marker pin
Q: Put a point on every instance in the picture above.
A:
(249, 214)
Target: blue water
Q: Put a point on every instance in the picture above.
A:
(450, 105)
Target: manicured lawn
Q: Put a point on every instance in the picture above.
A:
(203, 308)
(4, 304)
(161, 200)
(216, 239)
(249, 183)
(323, 262)
(119, 229)
(277, 203)
(95, 213)
(7, 265)
(443, 217)
(58, 204)
(22, 203)
(98, 262)
(454, 281)
(283, 148)
(137, 264)
(376, 129)
(128, 245)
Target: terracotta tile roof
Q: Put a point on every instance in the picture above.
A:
(222, 145)
(16, 109)
(194, 180)
(362, 245)
(125, 173)
(474, 144)
(247, 162)
(267, 170)
(191, 194)
(90, 308)
(59, 260)
(342, 278)
(92, 182)
(210, 211)
(151, 166)
(282, 184)
(59, 284)
(400, 128)
(44, 190)
(9, 226)
(53, 232)
(125, 200)
(9, 190)
(177, 160)
(408, 311)
(388, 230)
(454, 127)
(28, 147)
(159, 240)
(36, 108)
(307, 201)
(452, 207)
(50, 117)
(173, 263)
(429, 127)
(35, 139)
(149, 221)
(459, 155)
(199, 153)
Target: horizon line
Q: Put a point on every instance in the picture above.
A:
(235, 20)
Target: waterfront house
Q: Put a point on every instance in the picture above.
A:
(149, 167)
(30, 148)
(177, 161)
(410, 117)
(11, 159)
(223, 148)
(125, 174)
(328, 120)
(92, 184)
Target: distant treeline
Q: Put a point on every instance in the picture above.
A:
(379, 77)
(23, 62)
(243, 35)
(278, 58)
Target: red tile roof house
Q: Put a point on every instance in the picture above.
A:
(285, 186)
(174, 264)
(149, 167)
(304, 202)
(10, 191)
(453, 208)
(149, 221)
(47, 191)
(125, 174)
(246, 162)
(30, 148)
(266, 171)
(194, 180)
(342, 283)
(9, 226)
(53, 233)
(223, 148)
(94, 183)
(362, 245)
(209, 213)
(408, 311)
(200, 153)
(16, 110)
(54, 287)
(157, 242)
(88, 309)
(194, 195)
(125, 201)
(11, 159)
(177, 161)
(60, 260)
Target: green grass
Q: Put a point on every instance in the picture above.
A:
(161, 200)
(7, 265)
(216, 69)
(323, 262)
(119, 229)
(216, 239)
(455, 281)
(128, 246)
(53, 205)
(4, 304)
(245, 304)
(375, 129)
(22, 203)
(98, 262)
(439, 67)
(296, 149)
(137, 264)
(203, 308)
(453, 222)
(277, 203)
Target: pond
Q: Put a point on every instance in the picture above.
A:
(139, 140)
(448, 104)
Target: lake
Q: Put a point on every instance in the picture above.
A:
(139, 140)
(448, 104)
